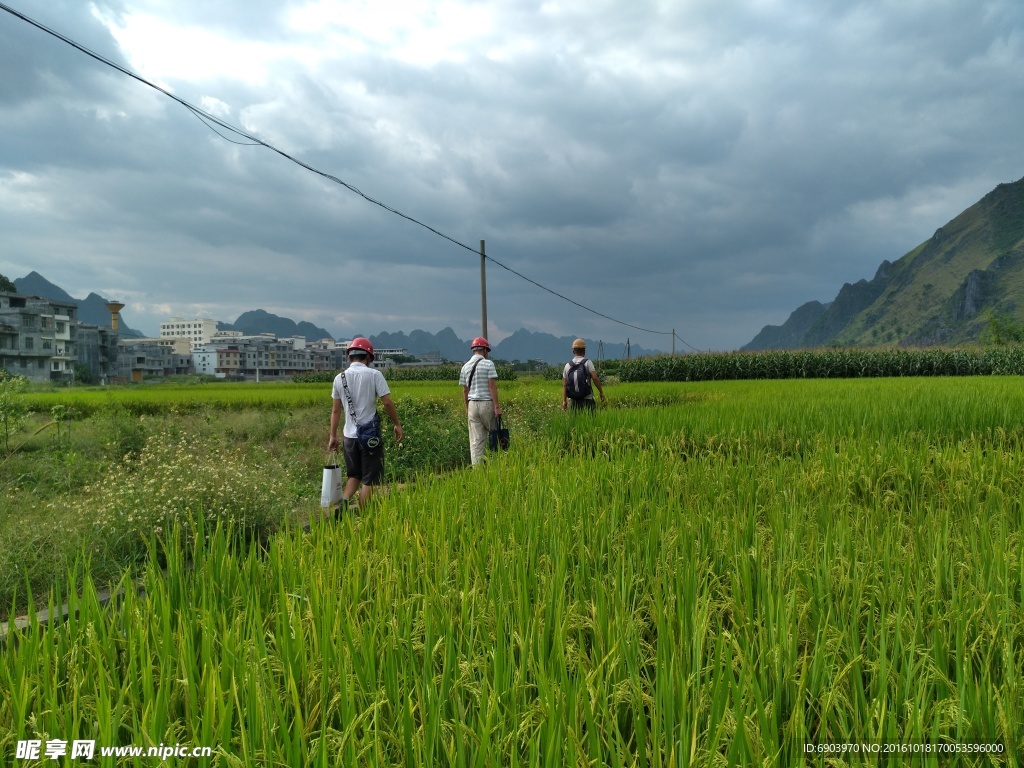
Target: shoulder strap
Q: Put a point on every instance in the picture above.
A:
(469, 384)
(348, 397)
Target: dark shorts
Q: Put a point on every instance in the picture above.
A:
(588, 404)
(360, 464)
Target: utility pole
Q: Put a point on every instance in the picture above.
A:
(483, 291)
(673, 342)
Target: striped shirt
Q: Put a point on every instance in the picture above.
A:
(485, 370)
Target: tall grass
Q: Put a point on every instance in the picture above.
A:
(123, 467)
(719, 580)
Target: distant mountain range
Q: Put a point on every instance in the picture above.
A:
(259, 321)
(92, 309)
(943, 292)
(521, 345)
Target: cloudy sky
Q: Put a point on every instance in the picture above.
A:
(699, 165)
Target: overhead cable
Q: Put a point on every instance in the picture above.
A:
(252, 140)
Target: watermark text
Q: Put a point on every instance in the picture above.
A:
(86, 749)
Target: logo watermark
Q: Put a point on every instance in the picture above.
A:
(86, 749)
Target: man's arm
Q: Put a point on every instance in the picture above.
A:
(597, 383)
(332, 444)
(392, 411)
(492, 385)
(565, 392)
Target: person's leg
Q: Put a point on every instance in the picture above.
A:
(587, 405)
(478, 429)
(490, 421)
(353, 469)
(373, 475)
(365, 493)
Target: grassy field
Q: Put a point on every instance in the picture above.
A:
(730, 573)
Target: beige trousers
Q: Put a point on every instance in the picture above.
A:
(481, 422)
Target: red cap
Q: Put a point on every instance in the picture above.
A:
(479, 342)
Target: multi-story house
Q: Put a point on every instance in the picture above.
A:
(231, 355)
(38, 337)
(96, 348)
(328, 354)
(139, 359)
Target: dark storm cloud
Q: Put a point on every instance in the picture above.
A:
(38, 67)
(707, 166)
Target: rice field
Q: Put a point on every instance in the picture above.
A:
(724, 573)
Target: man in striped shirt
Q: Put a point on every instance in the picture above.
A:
(479, 381)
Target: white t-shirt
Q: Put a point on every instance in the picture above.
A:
(365, 385)
(590, 369)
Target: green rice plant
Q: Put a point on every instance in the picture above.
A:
(286, 441)
(181, 400)
(722, 576)
(705, 611)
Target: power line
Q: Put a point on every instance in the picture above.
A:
(685, 343)
(211, 120)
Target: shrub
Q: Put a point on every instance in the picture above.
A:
(14, 409)
(172, 480)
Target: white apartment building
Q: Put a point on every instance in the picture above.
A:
(198, 331)
(264, 355)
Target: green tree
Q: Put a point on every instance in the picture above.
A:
(6, 285)
(14, 410)
(83, 375)
(1003, 329)
(399, 359)
(63, 416)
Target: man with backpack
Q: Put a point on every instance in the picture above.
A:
(578, 378)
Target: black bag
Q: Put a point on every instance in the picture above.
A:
(369, 436)
(577, 381)
(498, 437)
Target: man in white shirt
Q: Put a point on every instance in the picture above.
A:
(578, 379)
(479, 381)
(355, 394)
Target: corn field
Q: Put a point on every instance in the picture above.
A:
(826, 364)
(726, 573)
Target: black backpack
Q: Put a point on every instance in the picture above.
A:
(577, 381)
